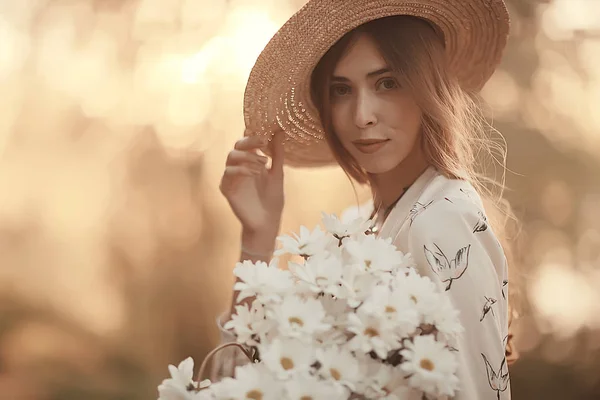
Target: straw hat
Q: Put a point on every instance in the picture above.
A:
(278, 91)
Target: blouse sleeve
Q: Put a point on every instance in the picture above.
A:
(225, 361)
(453, 245)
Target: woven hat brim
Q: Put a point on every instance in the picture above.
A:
(277, 94)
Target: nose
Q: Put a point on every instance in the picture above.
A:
(364, 113)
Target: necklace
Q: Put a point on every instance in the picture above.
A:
(373, 229)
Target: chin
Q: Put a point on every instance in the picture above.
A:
(381, 165)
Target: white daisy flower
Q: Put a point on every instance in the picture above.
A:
(247, 322)
(396, 307)
(431, 366)
(374, 374)
(321, 273)
(356, 285)
(339, 365)
(388, 383)
(333, 337)
(224, 389)
(408, 262)
(252, 381)
(434, 306)
(446, 320)
(341, 229)
(363, 211)
(181, 385)
(206, 394)
(372, 333)
(308, 387)
(267, 282)
(306, 244)
(375, 254)
(397, 388)
(420, 289)
(285, 357)
(299, 318)
(336, 309)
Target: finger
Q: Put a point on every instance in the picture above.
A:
(242, 170)
(277, 153)
(233, 173)
(238, 157)
(250, 143)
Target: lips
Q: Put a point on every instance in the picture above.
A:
(367, 142)
(369, 146)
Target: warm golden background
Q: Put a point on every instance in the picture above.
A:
(116, 247)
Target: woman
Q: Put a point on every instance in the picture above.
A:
(387, 90)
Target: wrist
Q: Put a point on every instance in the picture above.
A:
(257, 255)
(260, 243)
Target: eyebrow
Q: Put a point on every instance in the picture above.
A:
(371, 74)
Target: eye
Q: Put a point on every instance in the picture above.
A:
(387, 84)
(340, 90)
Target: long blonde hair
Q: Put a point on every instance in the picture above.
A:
(455, 135)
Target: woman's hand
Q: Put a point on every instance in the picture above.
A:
(254, 191)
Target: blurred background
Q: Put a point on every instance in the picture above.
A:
(116, 247)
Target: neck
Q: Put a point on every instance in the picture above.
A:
(389, 186)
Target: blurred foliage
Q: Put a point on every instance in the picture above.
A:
(171, 294)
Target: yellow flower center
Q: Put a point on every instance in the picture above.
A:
(368, 263)
(427, 364)
(295, 320)
(371, 332)
(335, 374)
(390, 309)
(254, 394)
(287, 363)
(427, 329)
(306, 398)
(413, 298)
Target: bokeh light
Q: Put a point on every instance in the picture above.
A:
(116, 247)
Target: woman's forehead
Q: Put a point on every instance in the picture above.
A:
(361, 59)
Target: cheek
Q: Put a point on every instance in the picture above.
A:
(339, 121)
(415, 123)
(416, 116)
(409, 121)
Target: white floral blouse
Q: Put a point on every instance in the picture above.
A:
(442, 223)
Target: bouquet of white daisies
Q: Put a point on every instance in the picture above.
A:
(352, 320)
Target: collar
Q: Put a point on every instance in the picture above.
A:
(401, 210)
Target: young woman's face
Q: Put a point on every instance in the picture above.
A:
(377, 121)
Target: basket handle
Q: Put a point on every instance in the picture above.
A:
(215, 351)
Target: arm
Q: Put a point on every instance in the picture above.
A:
(452, 245)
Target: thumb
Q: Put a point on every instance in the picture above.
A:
(277, 153)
